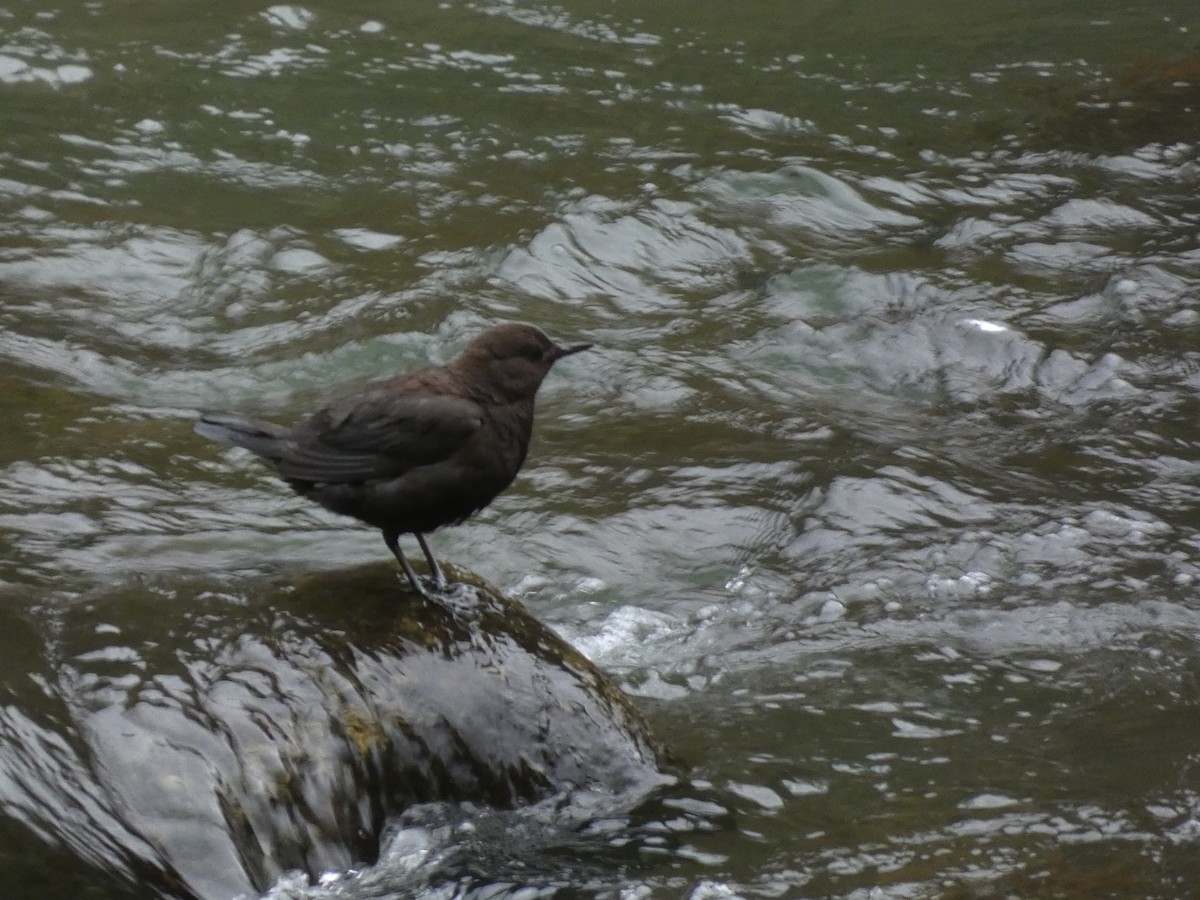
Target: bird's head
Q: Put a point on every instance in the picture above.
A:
(512, 359)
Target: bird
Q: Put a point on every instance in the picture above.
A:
(412, 453)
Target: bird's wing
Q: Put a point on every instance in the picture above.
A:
(377, 434)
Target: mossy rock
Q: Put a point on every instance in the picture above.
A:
(238, 734)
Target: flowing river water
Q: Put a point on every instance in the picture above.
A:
(880, 493)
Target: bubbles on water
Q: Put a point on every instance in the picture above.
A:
(408, 848)
(653, 686)
(756, 120)
(289, 16)
(739, 582)
(14, 70)
(1185, 318)
(529, 584)
(623, 629)
(714, 890)
(969, 584)
(298, 261)
(831, 610)
(903, 728)
(761, 795)
(1040, 665)
(274, 63)
(804, 787)
(988, 801)
(365, 239)
(1104, 523)
(985, 326)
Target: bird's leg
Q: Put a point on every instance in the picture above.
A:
(439, 579)
(392, 539)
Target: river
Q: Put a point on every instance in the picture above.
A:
(880, 492)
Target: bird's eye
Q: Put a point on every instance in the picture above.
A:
(532, 351)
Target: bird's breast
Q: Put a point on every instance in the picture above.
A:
(500, 445)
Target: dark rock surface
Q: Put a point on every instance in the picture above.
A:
(204, 742)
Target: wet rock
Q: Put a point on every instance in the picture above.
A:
(232, 737)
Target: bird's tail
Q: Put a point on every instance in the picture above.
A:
(264, 438)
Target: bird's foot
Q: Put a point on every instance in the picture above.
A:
(430, 588)
(457, 600)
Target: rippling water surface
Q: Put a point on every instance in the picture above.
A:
(880, 493)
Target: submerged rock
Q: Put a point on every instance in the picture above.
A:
(232, 739)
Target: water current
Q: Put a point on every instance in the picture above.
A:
(880, 493)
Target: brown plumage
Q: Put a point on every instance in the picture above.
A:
(417, 451)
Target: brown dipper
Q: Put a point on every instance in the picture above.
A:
(417, 451)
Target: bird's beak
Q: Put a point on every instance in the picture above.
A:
(567, 351)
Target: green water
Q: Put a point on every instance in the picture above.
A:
(880, 494)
